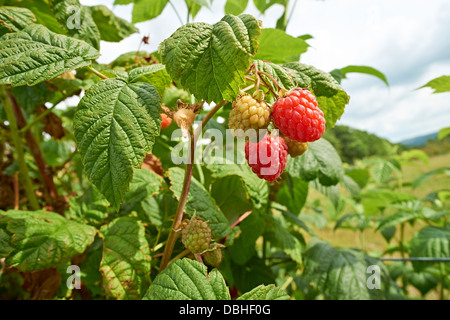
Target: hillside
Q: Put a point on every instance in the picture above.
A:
(419, 141)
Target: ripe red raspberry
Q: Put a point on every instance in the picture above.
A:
(196, 235)
(166, 120)
(298, 117)
(268, 157)
(295, 148)
(249, 112)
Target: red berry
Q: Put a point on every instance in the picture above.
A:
(298, 117)
(166, 120)
(268, 157)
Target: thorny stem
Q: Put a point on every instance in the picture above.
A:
(17, 139)
(185, 191)
(101, 75)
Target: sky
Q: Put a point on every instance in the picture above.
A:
(407, 40)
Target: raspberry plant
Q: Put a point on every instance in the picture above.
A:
(100, 190)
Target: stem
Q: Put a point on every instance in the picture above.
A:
(180, 255)
(36, 152)
(176, 12)
(16, 191)
(240, 219)
(17, 139)
(442, 269)
(248, 88)
(271, 78)
(185, 191)
(37, 119)
(101, 75)
(258, 78)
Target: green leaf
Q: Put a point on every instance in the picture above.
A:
(145, 183)
(263, 5)
(258, 189)
(90, 208)
(331, 97)
(211, 61)
(426, 176)
(42, 239)
(340, 74)
(115, 127)
(431, 242)
(194, 6)
(5, 239)
(262, 292)
(320, 161)
(374, 201)
(360, 176)
(155, 74)
(13, 19)
(397, 218)
(144, 10)
(36, 54)
(443, 133)
(439, 85)
(186, 279)
(235, 7)
(288, 243)
(111, 27)
(293, 194)
(277, 46)
(200, 202)
(126, 259)
(341, 274)
(77, 20)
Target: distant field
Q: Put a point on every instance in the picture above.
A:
(371, 240)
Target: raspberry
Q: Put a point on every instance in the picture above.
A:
(213, 256)
(295, 148)
(166, 120)
(298, 117)
(184, 119)
(249, 113)
(196, 235)
(268, 157)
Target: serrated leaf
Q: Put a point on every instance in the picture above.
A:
(126, 259)
(194, 6)
(144, 10)
(115, 127)
(431, 242)
(397, 218)
(331, 97)
(288, 243)
(320, 161)
(91, 207)
(43, 14)
(443, 133)
(439, 85)
(13, 19)
(210, 60)
(77, 20)
(145, 183)
(200, 203)
(155, 74)
(42, 239)
(36, 54)
(187, 279)
(262, 292)
(376, 200)
(426, 176)
(111, 27)
(341, 274)
(277, 46)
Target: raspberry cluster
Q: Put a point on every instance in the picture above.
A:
(297, 116)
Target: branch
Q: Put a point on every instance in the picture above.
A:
(101, 75)
(17, 139)
(186, 186)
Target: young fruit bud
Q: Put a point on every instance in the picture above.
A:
(213, 256)
(184, 119)
(196, 235)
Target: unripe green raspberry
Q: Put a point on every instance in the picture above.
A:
(196, 235)
(213, 256)
(249, 113)
(295, 148)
